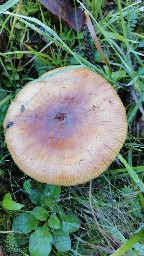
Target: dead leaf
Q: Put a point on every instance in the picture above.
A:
(64, 10)
(95, 39)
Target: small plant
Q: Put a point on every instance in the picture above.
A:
(46, 224)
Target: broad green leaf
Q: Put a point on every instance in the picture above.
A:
(62, 242)
(40, 213)
(50, 196)
(9, 204)
(53, 191)
(24, 223)
(40, 242)
(35, 196)
(70, 223)
(54, 222)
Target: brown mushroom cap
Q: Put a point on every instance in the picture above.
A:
(67, 128)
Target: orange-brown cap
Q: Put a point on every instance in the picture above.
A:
(65, 128)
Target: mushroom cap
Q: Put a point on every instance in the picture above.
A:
(65, 128)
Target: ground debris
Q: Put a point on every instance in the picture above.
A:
(2, 252)
(64, 10)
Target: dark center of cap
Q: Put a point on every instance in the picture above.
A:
(57, 124)
(60, 116)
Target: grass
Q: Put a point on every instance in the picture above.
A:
(110, 207)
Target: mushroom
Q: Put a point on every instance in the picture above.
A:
(67, 127)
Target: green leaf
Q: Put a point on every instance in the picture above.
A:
(53, 191)
(9, 204)
(62, 242)
(40, 242)
(35, 196)
(50, 196)
(25, 223)
(27, 186)
(118, 75)
(40, 213)
(40, 66)
(70, 223)
(54, 222)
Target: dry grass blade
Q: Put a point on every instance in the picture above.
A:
(95, 39)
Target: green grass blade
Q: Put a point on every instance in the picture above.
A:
(52, 36)
(137, 169)
(113, 44)
(136, 108)
(128, 245)
(7, 5)
(122, 18)
(9, 77)
(132, 173)
(2, 102)
(58, 72)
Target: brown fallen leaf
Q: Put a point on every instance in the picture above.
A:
(71, 15)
